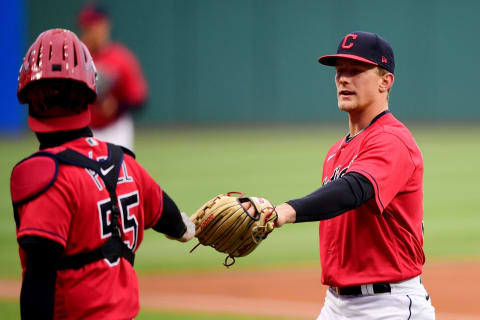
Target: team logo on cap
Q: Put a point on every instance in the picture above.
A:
(347, 37)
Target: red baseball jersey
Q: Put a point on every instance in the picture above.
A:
(382, 240)
(74, 212)
(120, 77)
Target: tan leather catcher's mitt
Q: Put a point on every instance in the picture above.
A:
(224, 224)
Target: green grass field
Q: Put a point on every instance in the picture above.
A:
(10, 310)
(278, 164)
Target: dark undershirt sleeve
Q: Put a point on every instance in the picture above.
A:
(38, 286)
(170, 222)
(334, 198)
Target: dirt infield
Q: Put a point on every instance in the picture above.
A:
(298, 293)
(290, 293)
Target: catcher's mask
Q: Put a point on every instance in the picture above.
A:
(57, 80)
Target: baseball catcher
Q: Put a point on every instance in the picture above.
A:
(81, 205)
(234, 225)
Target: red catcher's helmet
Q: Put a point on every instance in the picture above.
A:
(58, 54)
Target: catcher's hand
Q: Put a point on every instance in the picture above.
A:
(224, 224)
(189, 232)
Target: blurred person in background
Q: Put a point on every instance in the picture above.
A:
(121, 86)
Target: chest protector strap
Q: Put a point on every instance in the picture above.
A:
(108, 170)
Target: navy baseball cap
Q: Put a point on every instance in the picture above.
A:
(91, 14)
(365, 47)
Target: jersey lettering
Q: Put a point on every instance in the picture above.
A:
(338, 172)
(129, 221)
(123, 177)
(105, 218)
(96, 178)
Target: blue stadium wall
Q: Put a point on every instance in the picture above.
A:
(12, 33)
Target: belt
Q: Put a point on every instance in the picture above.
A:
(367, 289)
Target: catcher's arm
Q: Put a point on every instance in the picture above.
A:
(174, 224)
(38, 285)
(189, 233)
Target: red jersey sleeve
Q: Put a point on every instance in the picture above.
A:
(386, 161)
(153, 205)
(151, 193)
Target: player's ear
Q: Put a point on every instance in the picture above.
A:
(386, 82)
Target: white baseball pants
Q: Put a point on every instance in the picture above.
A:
(119, 132)
(408, 300)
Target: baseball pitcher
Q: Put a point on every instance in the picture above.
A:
(370, 205)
